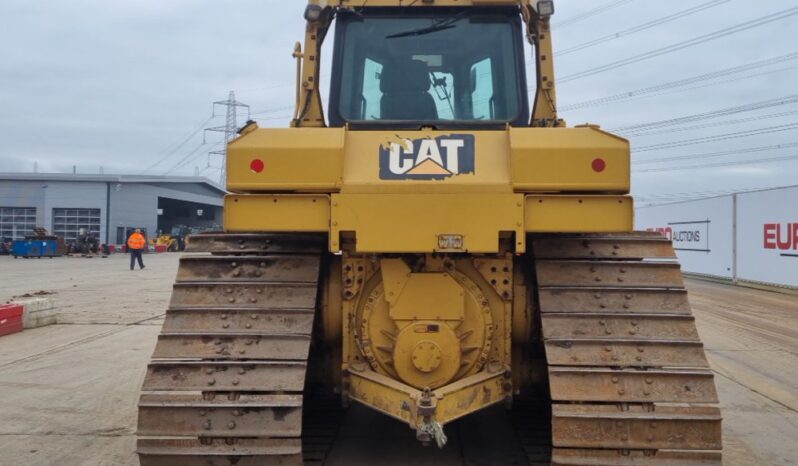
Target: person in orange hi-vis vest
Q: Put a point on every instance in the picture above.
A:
(136, 244)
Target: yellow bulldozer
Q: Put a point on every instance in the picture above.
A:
(435, 245)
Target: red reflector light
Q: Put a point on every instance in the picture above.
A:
(599, 165)
(257, 165)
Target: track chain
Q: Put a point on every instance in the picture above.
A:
(629, 381)
(227, 379)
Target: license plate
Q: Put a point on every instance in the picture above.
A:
(450, 243)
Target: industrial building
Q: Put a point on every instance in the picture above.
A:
(107, 206)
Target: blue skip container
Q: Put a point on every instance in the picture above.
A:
(34, 248)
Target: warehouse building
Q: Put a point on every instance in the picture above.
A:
(108, 206)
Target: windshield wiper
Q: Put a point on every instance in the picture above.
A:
(441, 25)
(421, 31)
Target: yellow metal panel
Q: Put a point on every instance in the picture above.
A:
(470, 395)
(295, 159)
(544, 113)
(451, 402)
(362, 163)
(520, 159)
(429, 296)
(579, 214)
(411, 223)
(561, 160)
(384, 394)
(277, 213)
(395, 274)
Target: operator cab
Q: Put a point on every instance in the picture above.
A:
(431, 67)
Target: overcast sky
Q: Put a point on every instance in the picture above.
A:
(126, 85)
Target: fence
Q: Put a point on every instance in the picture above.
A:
(751, 237)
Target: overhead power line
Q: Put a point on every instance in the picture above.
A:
(720, 137)
(711, 84)
(717, 124)
(186, 158)
(676, 197)
(265, 88)
(170, 152)
(681, 82)
(692, 194)
(272, 118)
(688, 196)
(273, 110)
(750, 150)
(783, 14)
(191, 157)
(708, 193)
(590, 13)
(718, 165)
(641, 27)
(786, 100)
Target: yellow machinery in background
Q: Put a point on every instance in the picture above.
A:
(167, 241)
(435, 245)
(174, 241)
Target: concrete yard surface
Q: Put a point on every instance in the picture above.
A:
(68, 392)
(93, 290)
(751, 340)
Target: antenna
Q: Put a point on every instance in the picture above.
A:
(229, 129)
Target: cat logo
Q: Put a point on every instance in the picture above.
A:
(427, 158)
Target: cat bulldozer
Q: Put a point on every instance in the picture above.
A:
(430, 243)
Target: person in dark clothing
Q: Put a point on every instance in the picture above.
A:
(136, 244)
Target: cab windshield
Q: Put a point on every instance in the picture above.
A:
(422, 67)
